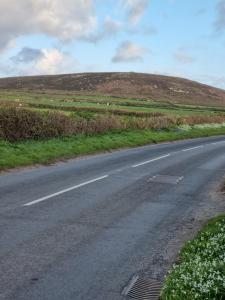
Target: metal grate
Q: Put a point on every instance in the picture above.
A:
(143, 289)
(166, 179)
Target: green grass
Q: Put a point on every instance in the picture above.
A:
(43, 152)
(67, 100)
(32, 152)
(201, 272)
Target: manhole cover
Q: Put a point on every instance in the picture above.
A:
(143, 289)
(166, 179)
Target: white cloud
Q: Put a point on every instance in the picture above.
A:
(64, 20)
(53, 62)
(136, 9)
(129, 52)
(109, 29)
(40, 62)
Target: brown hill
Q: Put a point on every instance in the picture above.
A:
(137, 85)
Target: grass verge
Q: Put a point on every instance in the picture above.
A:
(201, 272)
(47, 151)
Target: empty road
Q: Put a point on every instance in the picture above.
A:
(82, 229)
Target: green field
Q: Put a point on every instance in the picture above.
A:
(73, 124)
(108, 103)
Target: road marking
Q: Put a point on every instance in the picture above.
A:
(65, 191)
(193, 148)
(215, 143)
(150, 161)
(105, 176)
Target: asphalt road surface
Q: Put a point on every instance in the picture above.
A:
(82, 229)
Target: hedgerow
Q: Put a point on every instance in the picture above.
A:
(18, 123)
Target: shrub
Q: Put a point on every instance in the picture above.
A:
(161, 122)
(18, 124)
(21, 124)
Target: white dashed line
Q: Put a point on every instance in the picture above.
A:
(215, 143)
(193, 148)
(116, 171)
(150, 161)
(65, 191)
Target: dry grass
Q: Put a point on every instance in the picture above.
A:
(22, 124)
(160, 122)
(194, 120)
(18, 124)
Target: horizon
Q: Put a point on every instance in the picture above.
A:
(163, 37)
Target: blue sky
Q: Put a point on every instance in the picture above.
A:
(172, 37)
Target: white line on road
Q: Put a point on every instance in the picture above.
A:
(149, 161)
(215, 143)
(193, 148)
(65, 191)
(117, 171)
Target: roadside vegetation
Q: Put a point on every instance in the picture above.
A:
(200, 273)
(41, 128)
(31, 152)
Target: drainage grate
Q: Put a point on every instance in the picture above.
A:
(166, 179)
(143, 289)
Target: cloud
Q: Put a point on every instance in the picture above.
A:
(129, 52)
(39, 62)
(136, 9)
(220, 21)
(27, 55)
(64, 20)
(183, 57)
(110, 28)
(53, 61)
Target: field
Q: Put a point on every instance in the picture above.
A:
(43, 125)
(68, 101)
(156, 88)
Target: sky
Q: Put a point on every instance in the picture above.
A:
(183, 38)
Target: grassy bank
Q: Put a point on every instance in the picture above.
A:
(201, 272)
(34, 152)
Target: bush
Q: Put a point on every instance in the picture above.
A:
(160, 122)
(22, 124)
(18, 124)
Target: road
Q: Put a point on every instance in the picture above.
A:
(82, 229)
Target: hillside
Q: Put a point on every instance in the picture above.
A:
(137, 85)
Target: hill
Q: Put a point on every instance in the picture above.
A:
(135, 85)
